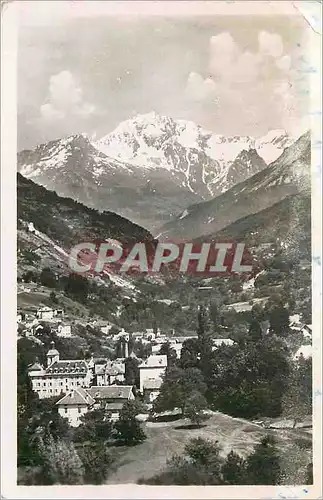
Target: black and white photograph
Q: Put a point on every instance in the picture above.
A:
(167, 250)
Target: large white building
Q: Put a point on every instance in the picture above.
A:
(60, 376)
(153, 367)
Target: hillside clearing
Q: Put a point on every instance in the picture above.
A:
(163, 441)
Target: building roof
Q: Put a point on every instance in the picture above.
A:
(99, 361)
(152, 383)
(112, 368)
(155, 361)
(35, 366)
(110, 391)
(52, 351)
(67, 367)
(182, 339)
(77, 396)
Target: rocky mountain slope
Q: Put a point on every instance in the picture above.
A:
(288, 175)
(70, 222)
(287, 224)
(149, 168)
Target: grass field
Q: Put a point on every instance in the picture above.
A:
(166, 439)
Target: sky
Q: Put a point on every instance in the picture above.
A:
(232, 74)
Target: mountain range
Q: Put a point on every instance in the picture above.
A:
(150, 168)
(288, 175)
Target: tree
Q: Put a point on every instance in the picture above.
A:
(199, 465)
(48, 278)
(190, 354)
(279, 320)
(53, 297)
(177, 387)
(132, 371)
(234, 469)
(96, 459)
(263, 465)
(195, 408)
(96, 426)
(255, 332)
(297, 399)
(167, 350)
(29, 276)
(128, 429)
(205, 344)
(77, 286)
(309, 474)
(61, 462)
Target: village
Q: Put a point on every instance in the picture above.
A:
(86, 384)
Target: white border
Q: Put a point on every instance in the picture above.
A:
(8, 246)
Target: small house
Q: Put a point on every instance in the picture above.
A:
(74, 405)
(112, 397)
(45, 313)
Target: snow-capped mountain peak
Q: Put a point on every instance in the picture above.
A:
(275, 140)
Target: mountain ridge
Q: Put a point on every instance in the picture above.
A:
(289, 174)
(155, 187)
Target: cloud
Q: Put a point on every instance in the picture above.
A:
(65, 99)
(199, 89)
(284, 63)
(255, 82)
(270, 44)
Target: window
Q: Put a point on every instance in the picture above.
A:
(44, 384)
(65, 410)
(66, 380)
(79, 409)
(61, 383)
(38, 383)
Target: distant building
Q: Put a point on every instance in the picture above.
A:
(218, 342)
(31, 227)
(64, 331)
(153, 367)
(60, 376)
(45, 313)
(110, 373)
(151, 389)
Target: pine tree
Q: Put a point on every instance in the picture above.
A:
(263, 465)
(234, 469)
(205, 342)
(255, 332)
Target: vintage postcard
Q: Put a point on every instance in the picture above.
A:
(161, 249)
